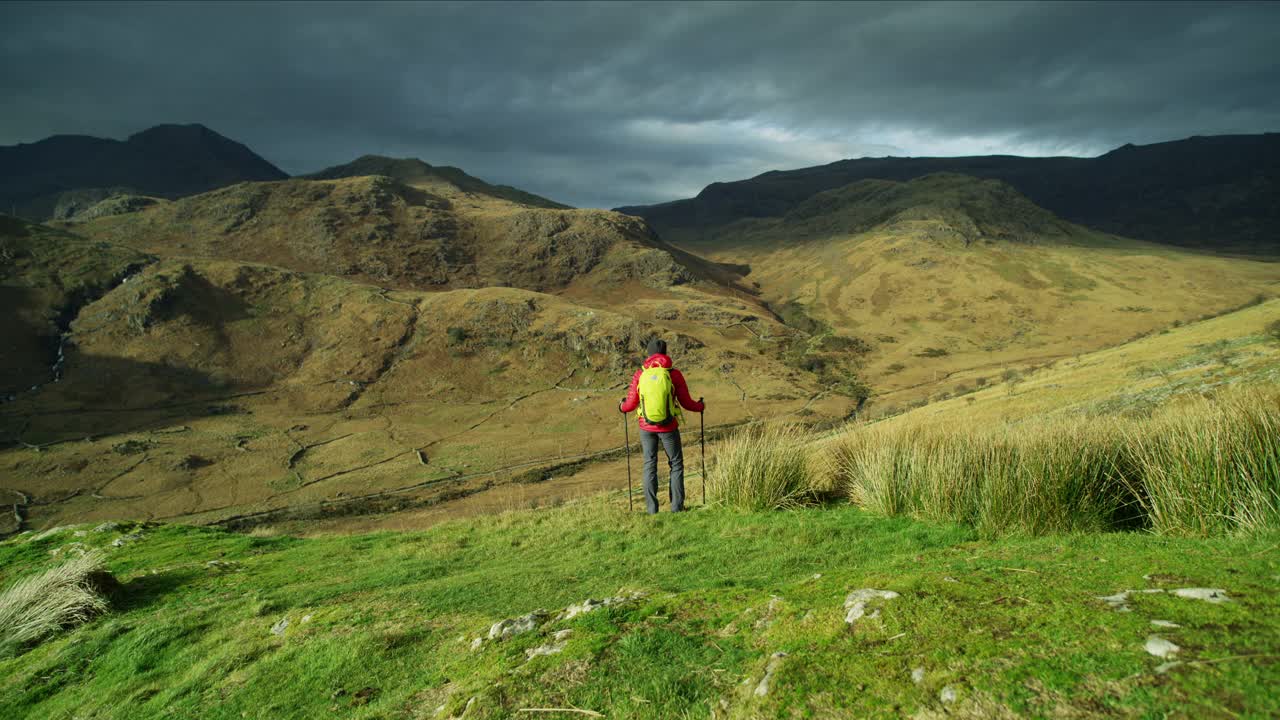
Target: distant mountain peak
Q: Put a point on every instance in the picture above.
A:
(174, 130)
(412, 171)
(169, 161)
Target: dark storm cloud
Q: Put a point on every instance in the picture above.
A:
(608, 104)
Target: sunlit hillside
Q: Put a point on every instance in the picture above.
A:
(950, 274)
(211, 390)
(1133, 378)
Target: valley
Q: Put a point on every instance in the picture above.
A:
(224, 367)
(310, 393)
(949, 274)
(364, 422)
(354, 351)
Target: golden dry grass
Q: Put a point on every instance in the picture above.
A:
(939, 298)
(764, 467)
(1132, 377)
(1198, 466)
(37, 606)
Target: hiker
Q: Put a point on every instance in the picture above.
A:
(658, 391)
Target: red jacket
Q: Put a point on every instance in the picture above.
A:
(682, 394)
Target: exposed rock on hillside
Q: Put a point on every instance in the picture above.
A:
(114, 205)
(412, 171)
(377, 229)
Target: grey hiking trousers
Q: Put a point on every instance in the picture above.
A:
(649, 475)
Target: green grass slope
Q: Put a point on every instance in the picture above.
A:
(421, 236)
(212, 624)
(208, 390)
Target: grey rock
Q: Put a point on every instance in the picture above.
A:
(548, 649)
(477, 644)
(75, 547)
(948, 694)
(1165, 624)
(1210, 595)
(775, 661)
(518, 625)
(126, 539)
(917, 675)
(1160, 647)
(858, 601)
(281, 626)
(1118, 602)
(591, 604)
(770, 610)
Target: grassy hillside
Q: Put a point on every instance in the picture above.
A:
(948, 274)
(378, 230)
(412, 171)
(716, 613)
(217, 391)
(265, 399)
(1131, 378)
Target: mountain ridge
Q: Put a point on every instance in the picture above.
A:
(377, 229)
(1213, 192)
(165, 160)
(413, 171)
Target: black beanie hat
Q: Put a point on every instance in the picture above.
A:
(657, 347)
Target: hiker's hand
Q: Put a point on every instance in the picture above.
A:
(703, 403)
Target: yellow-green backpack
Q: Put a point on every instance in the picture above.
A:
(657, 396)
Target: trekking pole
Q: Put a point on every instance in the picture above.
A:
(626, 433)
(702, 439)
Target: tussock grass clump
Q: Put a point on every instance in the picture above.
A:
(1204, 467)
(1061, 479)
(1212, 467)
(764, 468)
(33, 608)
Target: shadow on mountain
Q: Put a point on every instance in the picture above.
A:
(27, 351)
(106, 395)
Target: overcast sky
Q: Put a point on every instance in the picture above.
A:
(600, 105)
